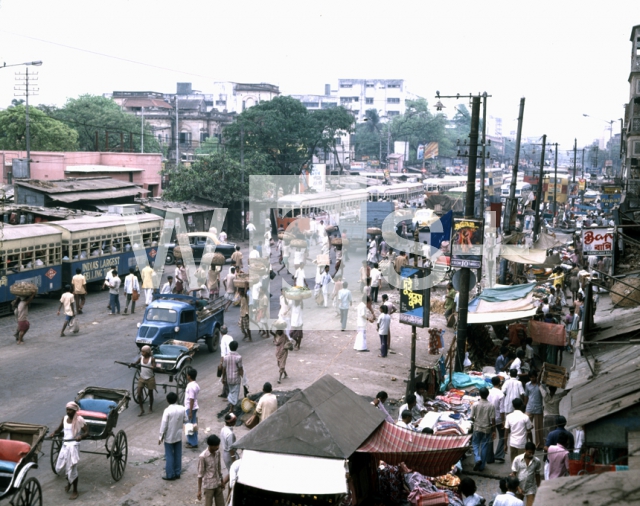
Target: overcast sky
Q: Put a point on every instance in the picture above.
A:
(567, 58)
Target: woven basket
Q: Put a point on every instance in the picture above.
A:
(374, 231)
(258, 270)
(299, 243)
(338, 241)
(213, 259)
(23, 289)
(623, 295)
(298, 294)
(330, 228)
(279, 325)
(247, 405)
(179, 253)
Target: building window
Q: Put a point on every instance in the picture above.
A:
(638, 86)
(393, 100)
(203, 136)
(221, 102)
(368, 100)
(311, 104)
(337, 141)
(636, 148)
(393, 113)
(393, 86)
(185, 138)
(329, 105)
(346, 85)
(370, 85)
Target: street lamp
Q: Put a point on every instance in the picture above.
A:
(26, 90)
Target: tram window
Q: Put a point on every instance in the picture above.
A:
(27, 260)
(146, 238)
(42, 257)
(65, 252)
(3, 261)
(126, 242)
(12, 261)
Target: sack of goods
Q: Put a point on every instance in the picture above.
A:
(298, 293)
(23, 289)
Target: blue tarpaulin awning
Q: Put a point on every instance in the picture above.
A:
(506, 293)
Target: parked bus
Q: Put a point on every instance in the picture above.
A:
(441, 184)
(522, 189)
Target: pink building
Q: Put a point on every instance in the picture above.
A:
(142, 169)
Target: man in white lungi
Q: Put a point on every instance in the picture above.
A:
(73, 429)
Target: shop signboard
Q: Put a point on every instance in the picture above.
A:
(597, 241)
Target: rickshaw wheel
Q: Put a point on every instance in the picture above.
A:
(56, 445)
(134, 387)
(30, 494)
(181, 382)
(119, 452)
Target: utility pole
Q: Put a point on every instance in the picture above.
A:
(511, 201)
(465, 272)
(142, 132)
(177, 136)
(536, 226)
(575, 155)
(482, 167)
(23, 87)
(555, 183)
(244, 216)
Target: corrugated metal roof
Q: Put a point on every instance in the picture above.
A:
(74, 184)
(105, 221)
(185, 206)
(99, 168)
(97, 195)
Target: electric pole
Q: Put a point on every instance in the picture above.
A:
(555, 183)
(25, 89)
(536, 226)
(469, 212)
(511, 208)
(573, 182)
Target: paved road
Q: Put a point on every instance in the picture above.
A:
(41, 376)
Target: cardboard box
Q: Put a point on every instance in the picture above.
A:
(554, 375)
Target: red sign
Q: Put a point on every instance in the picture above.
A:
(50, 274)
(152, 253)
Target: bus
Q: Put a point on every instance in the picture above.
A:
(560, 187)
(459, 194)
(438, 184)
(409, 193)
(522, 189)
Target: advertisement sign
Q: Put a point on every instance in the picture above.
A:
(466, 243)
(609, 200)
(318, 177)
(431, 150)
(597, 241)
(420, 152)
(414, 304)
(582, 184)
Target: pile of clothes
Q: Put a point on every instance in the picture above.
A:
(399, 485)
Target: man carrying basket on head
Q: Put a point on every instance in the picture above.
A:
(73, 429)
(21, 306)
(147, 377)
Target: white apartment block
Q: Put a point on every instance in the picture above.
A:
(387, 96)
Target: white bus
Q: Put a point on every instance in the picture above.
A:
(409, 193)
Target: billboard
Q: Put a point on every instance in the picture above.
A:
(414, 302)
(466, 243)
(431, 150)
(597, 241)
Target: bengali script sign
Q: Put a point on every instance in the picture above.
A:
(597, 241)
(414, 302)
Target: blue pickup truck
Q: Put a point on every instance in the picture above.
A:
(181, 317)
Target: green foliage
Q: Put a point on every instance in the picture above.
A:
(89, 114)
(283, 134)
(217, 177)
(210, 146)
(368, 142)
(46, 134)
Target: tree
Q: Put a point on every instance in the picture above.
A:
(368, 138)
(45, 133)
(89, 114)
(327, 125)
(210, 146)
(419, 126)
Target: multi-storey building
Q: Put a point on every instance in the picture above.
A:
(387, 96)
(199, 115)
(631, 132)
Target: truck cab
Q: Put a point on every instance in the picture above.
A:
(181, 317)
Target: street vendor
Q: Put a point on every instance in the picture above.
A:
(147, 377)
(74, 429)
